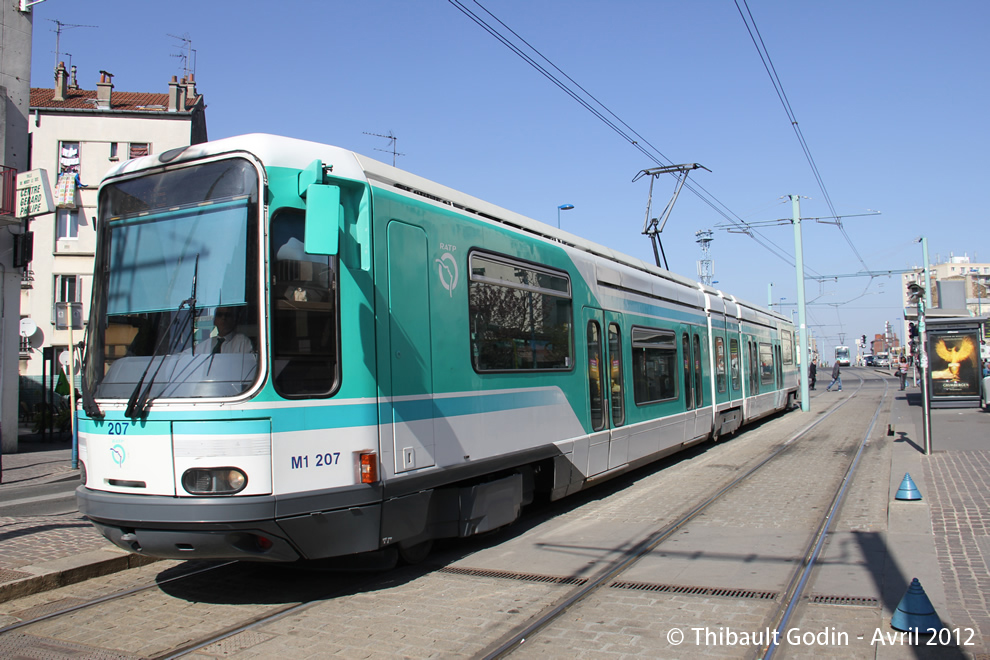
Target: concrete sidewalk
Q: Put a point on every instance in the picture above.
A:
(38, 553)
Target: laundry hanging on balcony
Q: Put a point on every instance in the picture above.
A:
(65, 190)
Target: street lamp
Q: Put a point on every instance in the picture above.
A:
(562, 207)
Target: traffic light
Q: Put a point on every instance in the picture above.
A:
(864, 340)
(912, 330)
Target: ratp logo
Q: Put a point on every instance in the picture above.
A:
(118, 455)
(447, 270)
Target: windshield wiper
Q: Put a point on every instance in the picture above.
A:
(139, 399)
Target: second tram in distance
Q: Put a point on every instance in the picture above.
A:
(296, 352)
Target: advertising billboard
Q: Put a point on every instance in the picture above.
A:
(954, 359)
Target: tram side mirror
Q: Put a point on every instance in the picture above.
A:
(324, 219)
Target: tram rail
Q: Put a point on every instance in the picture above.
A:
(506, 643)
(797, 583)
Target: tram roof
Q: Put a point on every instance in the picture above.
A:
(279, 151)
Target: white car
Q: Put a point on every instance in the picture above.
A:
(985, 393)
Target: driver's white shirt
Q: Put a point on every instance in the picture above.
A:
(235, 342)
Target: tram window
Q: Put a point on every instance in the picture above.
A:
(520, 315)
(720, 363)
(734, 363)
(766, 364)
(686, 361)
(754, 369)
(304, 313)
(787, 346)
(699, 391)
(615, 374)
(654, 365)
(595, 376)
(780, 369)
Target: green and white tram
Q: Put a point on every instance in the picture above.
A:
(296, 352)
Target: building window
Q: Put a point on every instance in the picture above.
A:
(68, 157)
(67, 224)
(138, 149)
(113, 151)
(68, 288)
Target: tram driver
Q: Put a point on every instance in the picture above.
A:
(227, 339)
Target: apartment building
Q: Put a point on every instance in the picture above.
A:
(76, 136)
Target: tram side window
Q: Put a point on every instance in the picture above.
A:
(787, 346)
(520, 316)
(766, 364)
(595, 376)
(688, 381)
(303, 314)
(615, 374)
(699, 391)
(734, 363)
(654, 365)
(720, 364)
(754, 369)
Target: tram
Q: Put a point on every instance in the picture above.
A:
(295, 352)
(842, 356)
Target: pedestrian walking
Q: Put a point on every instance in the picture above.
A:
(812, 374)
(836, 372)
(902, 369)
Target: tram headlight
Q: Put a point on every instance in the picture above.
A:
(214, 481)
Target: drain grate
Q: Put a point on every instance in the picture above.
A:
(855, 601)
(509, 575)
(696, 591)
(7, 575)
(28, 646)
(48, 608)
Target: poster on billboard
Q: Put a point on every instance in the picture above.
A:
(955, 363)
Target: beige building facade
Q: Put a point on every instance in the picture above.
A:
(77, 135)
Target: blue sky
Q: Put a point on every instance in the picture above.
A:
(892, 99)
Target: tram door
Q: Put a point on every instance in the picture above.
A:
(606, 391)
(411, 355)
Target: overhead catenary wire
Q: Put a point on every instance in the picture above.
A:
(610, 119)
(757, 38)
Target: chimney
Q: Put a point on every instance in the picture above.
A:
(176, 95)
(104, 88)
(191, 88)
(72, 78)
(60, 82)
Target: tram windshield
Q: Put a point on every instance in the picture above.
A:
(175, 295)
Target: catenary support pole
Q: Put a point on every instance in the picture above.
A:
(802, 323)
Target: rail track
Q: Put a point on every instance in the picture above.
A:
(231, 606)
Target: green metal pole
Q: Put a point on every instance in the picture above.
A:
(928, 276)
(802, 323)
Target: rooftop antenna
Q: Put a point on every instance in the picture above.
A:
(653, 227)
(391, 143)
(188, 56)
(706, 269)
(59, 27)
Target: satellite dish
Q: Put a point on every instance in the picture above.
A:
(63, 359)
(28, 327)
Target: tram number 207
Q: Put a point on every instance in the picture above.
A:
(321, 460)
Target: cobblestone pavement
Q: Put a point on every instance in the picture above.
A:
(445, 615)
(959, 489)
